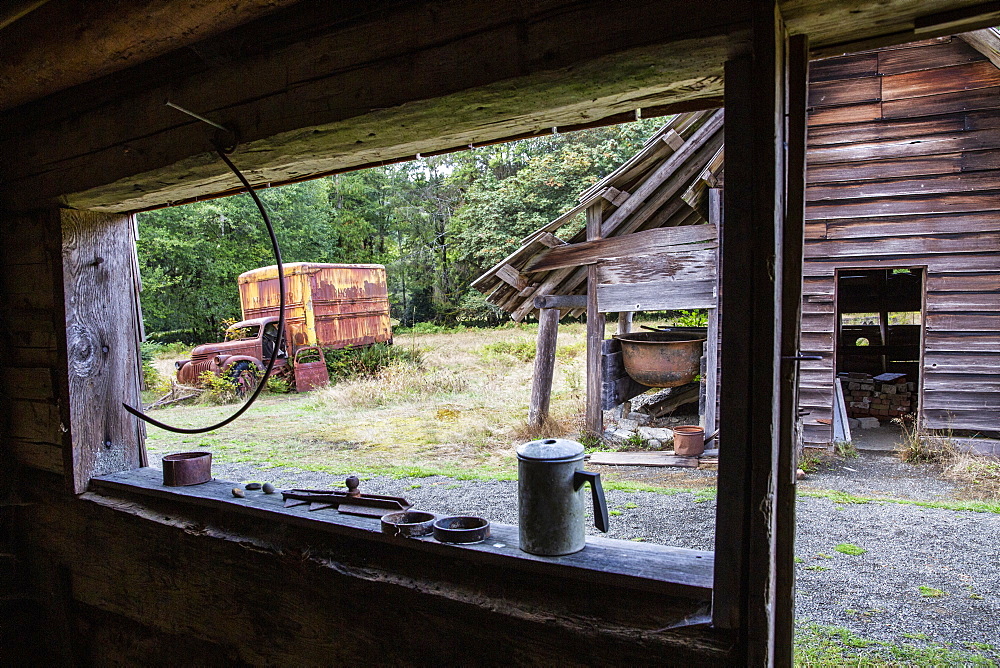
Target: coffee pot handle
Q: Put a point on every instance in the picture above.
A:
(597, 493)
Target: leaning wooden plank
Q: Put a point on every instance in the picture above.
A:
(642, 459)
(678, 396)
(656, 296)
(590, 252)
(986, 42)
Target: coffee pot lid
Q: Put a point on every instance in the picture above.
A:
(550, 449)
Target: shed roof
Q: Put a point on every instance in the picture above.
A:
(665, 184)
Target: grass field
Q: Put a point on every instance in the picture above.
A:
(463, 410)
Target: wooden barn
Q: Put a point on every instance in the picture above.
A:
(103, 564)
(902, 250)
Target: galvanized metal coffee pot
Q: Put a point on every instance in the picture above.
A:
(550, 478)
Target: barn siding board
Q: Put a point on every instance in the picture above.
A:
(945, 54)
(844, 67)
(910, 179)
(968, 76)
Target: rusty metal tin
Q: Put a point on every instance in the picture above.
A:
(187, 468)
(461, 529)
(408, 524)
(661, 359)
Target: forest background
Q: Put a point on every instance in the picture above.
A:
(436, 224)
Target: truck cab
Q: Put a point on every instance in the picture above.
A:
(248, 347)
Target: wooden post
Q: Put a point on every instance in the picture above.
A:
(711, 374)
(624, 327)
(791, 247)
(751, 391)
(545, 362)
(101, 344)
(594, 422)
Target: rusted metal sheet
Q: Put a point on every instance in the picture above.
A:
(332, 305)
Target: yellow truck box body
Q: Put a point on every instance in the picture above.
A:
(331, 305)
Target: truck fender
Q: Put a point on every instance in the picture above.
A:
(226, 361)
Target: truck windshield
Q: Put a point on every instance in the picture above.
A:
(235, 333)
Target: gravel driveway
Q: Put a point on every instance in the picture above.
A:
(929, 573)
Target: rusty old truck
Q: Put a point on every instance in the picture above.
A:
(327, 305)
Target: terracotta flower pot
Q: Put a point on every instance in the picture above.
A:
(689, 441)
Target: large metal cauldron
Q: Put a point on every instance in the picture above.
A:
(662, 359)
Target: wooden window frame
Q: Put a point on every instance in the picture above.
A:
(764, 210)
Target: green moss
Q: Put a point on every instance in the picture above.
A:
(850, 548)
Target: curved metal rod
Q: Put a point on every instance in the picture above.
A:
(281, 321)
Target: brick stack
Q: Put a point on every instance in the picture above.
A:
(866, 396)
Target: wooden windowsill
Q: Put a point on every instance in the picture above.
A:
(670, 570)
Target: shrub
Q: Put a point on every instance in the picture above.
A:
(277, 385)
(367, 361)
(523, 351)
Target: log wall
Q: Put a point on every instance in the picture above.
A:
(904, 171)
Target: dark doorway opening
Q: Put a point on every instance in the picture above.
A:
(879, 333)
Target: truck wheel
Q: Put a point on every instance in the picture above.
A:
(243, 374)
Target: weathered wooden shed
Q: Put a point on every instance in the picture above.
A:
(903, 219)
(103, 565)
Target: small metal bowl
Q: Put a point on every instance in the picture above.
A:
(408, 524)
(187, 468)
(461, 529)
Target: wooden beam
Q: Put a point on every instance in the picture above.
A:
(660, 295)
(986, 41)
(424, 72)
(560, 301)
(545, 362)
(750, 394)
(639, 243)
(790, 249)
(101, 344)
(512, 277)
(594, 419)
(711, 375)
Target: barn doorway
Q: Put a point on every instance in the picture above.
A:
(879, 335)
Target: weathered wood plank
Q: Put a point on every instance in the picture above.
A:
(912, 246)
(927, 185)
(960, 400)
(901, 206)
(681, 267)
(882, 130)
(512, 277)
(27, 383)
(103, 360)
(642, 459)
(826, 266)
(589, 252)
(961, 322)
(959, 342)
(963, 301)
(968, 282)
(855, 113)
(936, 380)
(912, 225)
(944, 54)
(844, 92)
(841, 172)
(953, 418)
(970, 76)
(661, 295)
(843, 67)
(36, 421)
(966, 363)
(907, 147)
(966, 100)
